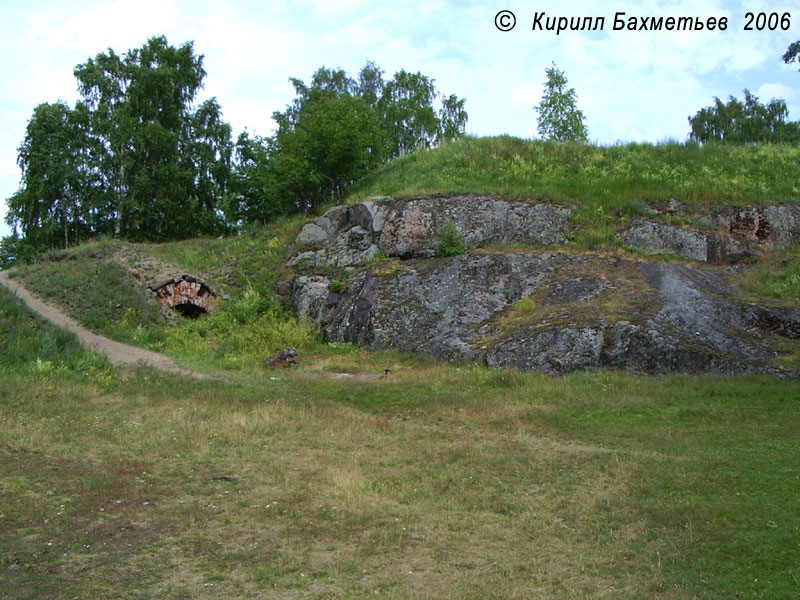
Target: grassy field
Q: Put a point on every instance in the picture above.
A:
(435, 482)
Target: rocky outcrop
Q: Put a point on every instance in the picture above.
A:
(771, 226)
(412, 227)
(588, 313)
(544, 310)
(347, 236)
(658, 238)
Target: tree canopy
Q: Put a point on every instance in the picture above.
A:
(48, 208)
(336, 130)
(792, 53)
(559, 116)
(136, 158)
(164, 164)
(740, 122)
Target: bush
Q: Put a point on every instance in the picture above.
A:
(451, 244)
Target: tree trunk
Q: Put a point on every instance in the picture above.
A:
(66, 225)
(120, 194)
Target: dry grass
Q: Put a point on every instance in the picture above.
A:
(193, 496)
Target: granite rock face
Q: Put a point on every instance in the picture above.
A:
(349, 236)
(637, 316)
(775, 226)
(412, 227)
(659, 238)
(544, 310)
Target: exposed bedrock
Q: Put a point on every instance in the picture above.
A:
(541, 309)
(554, 313)
(348, 236)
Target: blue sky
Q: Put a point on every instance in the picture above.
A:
(632, 86)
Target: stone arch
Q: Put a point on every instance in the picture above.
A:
(186, 294)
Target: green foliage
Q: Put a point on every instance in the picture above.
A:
(451, 243)
(163, 166)
(559, 116)
(452, 119)
(329, 141)
(744, 122)
(240, 334)
(407, 113)
(335, 131)
(49, 208)
(28, 346)
(526, 306)
(792, 53)
(337, 286)
(14, 249)
(133, 158)
(779, 278)
(255, 196)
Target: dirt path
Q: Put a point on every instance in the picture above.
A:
(119, 354)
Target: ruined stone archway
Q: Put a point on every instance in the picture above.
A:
(186, 294)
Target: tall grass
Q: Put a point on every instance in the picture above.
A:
(612, 177)
(777, 278)
(29, 347)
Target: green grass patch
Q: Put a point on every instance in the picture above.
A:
(614, 178)
(31, 348)
(93, 286)
(779, 277)
(436, 481)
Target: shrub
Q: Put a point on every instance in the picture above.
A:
(451, 244)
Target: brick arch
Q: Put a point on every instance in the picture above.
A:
(186, 294)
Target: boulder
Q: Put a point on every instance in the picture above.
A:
(282, 358)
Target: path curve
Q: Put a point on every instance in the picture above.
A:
(118, 353)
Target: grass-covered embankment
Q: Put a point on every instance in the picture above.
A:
(94, 285)
(436, 482)
(611, 177)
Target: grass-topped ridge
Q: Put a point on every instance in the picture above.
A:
(611, 177)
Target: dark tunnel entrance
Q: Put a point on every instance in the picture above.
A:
(190, 311)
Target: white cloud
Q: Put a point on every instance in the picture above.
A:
(768, 91)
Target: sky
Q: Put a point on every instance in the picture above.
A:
(631, 85)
